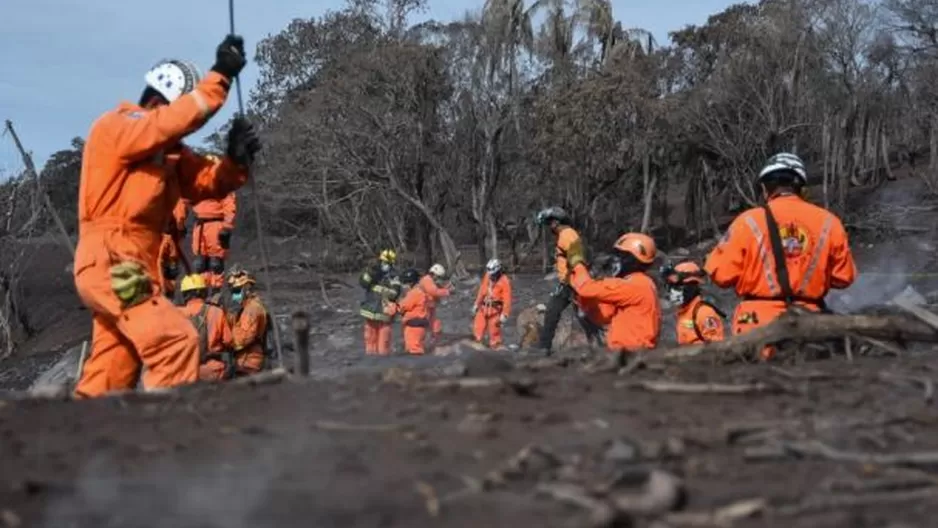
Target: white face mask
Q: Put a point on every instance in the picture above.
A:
(385, 267)
(676, 295)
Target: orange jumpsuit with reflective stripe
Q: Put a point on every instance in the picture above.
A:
(435, 293)
(637, 319)
(249, 331)
(698, 322)
(219, 337)
(415, 318)
(211, 218)
(133, 172)
(492, 302)
(817, 255)
(170, 245)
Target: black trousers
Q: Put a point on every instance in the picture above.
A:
(561, 297)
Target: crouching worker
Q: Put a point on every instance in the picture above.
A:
(698, 320)
(382, 288)
(493, 304)
(415, 313)
(210, 321)
(636, 313)
(249, 324)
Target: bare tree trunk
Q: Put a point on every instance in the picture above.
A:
(650, 181)
(826, 159)
(884, 152)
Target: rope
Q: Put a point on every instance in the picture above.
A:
(261, 240)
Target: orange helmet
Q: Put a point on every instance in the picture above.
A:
(687, 272)
(642, 247)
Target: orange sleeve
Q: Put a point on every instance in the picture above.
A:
(140, 134)
(201, 178)
(432, 289)
(483, 286)
(180, 212)
(619, 292)
(229, 210)
(725, 263)
(505, 295)
(710, 324)
(843, 268)
(221, 332)
(410, 301)
(249, 326)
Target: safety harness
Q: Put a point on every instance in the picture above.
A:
(781, 267)
(200, 323)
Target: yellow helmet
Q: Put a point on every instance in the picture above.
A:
(389, 256)
(240, 279)
(192, 282)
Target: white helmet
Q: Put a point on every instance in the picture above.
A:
(438, 271)
(494, 266)
(788, 162)
(172, 78)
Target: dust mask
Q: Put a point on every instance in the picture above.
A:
(676, 295)
(237, 296)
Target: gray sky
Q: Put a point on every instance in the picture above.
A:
(65, 62)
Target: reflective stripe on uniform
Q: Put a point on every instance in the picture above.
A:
(816, 255)
(763, 253)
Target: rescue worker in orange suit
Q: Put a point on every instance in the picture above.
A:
(698, 319)
(596, 315)
(568, 241)
(250, 322)
(636, 319)
(211, 238)
(169, 249)
(810, 246)
(434, 284)
(382, 288)
(211, 323)
(134, 170)
(415, 313)
(492, 306)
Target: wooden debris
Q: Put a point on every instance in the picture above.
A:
(520, 386)
(700, 388)
(634, 364)
(430, 498)
(662, 492)
(329, 425)
(820, 503)
(262, 378)
(928, 386)
(821, 450)
(926, 316)
(724, 516)
(601, 513)
(809, 327)
(531, 459)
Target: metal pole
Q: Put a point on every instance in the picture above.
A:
(28, 161)
(261, 241)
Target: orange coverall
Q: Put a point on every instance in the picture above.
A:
(637, 319)
(698, 325)
(211, 218)
(169, 248)
(134, 170)
(249, 332)
(218, 338)
(435, 293)
(817, 255)
(492, 302)
(415, 318)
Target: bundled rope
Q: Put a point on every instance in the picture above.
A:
(261, 240)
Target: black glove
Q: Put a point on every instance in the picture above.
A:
(242, 142)
(224, 238)
(229, 57)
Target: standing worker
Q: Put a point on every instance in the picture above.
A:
(134, 170)
(211, 238)
(170, 246)
(636, 319)
(382, 287)
(211, 323)
(434, 284)
(567, 242)
(250, 322)
(698, 320)
(415, 313)
(492, 305)
(788, 253)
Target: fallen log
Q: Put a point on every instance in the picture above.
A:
(700, 388)
(808, 327)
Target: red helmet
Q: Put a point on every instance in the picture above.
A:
(687, 272)
(642, 247)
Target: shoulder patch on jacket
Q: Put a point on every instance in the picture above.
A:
(711, 323)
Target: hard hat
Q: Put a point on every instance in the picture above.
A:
(642, 247)
(785, 162)
(438, 271)
(410, 276)
(172, 78)
(240, 279)
(552, 213)
(687, 272)
(493, 266)
(192, 283)
(388, 255)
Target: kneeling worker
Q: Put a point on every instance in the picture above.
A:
(249, 325)
(210, 321)
(698, 320)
